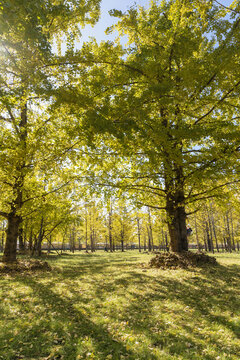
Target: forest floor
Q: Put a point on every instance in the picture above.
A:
(110, 306)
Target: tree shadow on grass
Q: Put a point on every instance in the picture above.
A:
(73, 329)
(181, 315)
(84, 265)
(203, 300)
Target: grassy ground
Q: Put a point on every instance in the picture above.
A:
(106, 306)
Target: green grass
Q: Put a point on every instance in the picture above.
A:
(106, 306)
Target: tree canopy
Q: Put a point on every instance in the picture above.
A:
(157, 118)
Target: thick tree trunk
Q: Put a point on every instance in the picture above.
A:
(10, 250)
(175, 204)
(174, 188)
(14, 219)
(176, 216)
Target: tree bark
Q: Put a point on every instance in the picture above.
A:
(139, 235)
(20, 238)
(176, 216)
(40, 239)
(14, 219)
(175, 206)
(110, 229)
(174, 189)
(86, 228)
(150, 231)
(232, 232)
(122, 235)
(214, 228)
(149, 239)
(10, 250)
(196, 231)
(144, 243)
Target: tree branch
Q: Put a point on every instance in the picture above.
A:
(219, 102)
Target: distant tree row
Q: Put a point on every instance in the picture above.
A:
(117, 225)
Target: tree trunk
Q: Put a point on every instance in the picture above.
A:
(150, 232)
(92, 230)
(205, 242)
(122, 236)
(38, 247)
(144, 243)
(196, 231)
(174, 190)
(214, 228)
(30, 243)
(225, 244)
(14, 220)
(149, 239)
(175, 208)
(177, 227)
(2, 240)
(10, 250)
(232, 232)
(163, 241)
(210, 231)
(122, 246)
(20, 238)
(92, 241)
(209, 243)
(110, 229)
(228, 237)
(139, 235)
(166, 242)
(86, 228)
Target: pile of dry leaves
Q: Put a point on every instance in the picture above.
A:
(24, 265)
(181, 260)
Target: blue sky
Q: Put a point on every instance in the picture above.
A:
(98, 31)
(106, 20)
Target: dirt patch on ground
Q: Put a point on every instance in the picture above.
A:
(181, 260)
(24, 265)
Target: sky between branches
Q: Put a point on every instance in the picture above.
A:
(98, 31)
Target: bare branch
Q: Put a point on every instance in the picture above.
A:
(227, 8)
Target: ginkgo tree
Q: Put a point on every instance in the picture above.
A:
(33, 134)
(167, 104)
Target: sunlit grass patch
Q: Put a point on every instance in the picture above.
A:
(107, 306)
